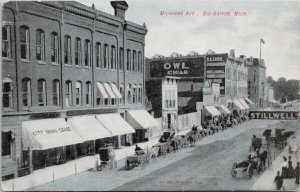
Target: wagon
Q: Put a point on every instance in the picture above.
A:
(107, 157)
(163, 148)
(136, 160)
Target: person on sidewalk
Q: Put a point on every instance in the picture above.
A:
(284, 167)
(297, 174)
(279, 181)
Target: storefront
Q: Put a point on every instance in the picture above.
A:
(120, 130)
(243, 102)
(223, 110)
(238, 108)
(210, 114)
(94, 134)
(143, 123)
(47, 142)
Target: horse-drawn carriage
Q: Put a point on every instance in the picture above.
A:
(107, 157)
(137, 159)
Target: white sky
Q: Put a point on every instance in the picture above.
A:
(277, 22)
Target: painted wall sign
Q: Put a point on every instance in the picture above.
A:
(276, 115)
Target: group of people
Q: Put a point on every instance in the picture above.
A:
(287, 172)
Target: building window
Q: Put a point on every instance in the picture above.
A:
(113, 57)
(26, 92)
(128, 60)
(42, 92)
(56, 92)
(7, 92)
(121, 88)
(121, 59)
(67, 49)
(24, 42)
(98, 56)
(129, 93)
(69, 97)
(78, 93)
(7, 139)
(77, 52)
(134, 90)
(105, 54)
(6, 42)
(134, 60)
(87, 53)
(139, 94)
(139, 66)
(54, 48)
(40, 45)
(88, 93)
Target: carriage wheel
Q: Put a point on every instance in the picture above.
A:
(233, 173)
(234, 165)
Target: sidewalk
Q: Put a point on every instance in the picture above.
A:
(50, 174)
(266, 181)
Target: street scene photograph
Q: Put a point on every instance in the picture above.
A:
(160, 95)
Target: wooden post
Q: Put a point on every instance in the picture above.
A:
(75, 169)
(30, 159)
(53, 176)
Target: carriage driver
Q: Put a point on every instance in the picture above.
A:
(255, 157)
(139, 150)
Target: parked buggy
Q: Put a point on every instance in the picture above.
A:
(140, 157)
(107, 157)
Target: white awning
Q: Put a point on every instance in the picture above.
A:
(48, 133)
(88, 127)
(134, 86)
(238, 104)
(115, 124)
(224, 109)
(101, 91)
(272, 101)
(141, 119)
(249, 101)
(116, 91)
(109, 91)
(212, 110)
(242, 101)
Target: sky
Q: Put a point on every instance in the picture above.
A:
(276, 22)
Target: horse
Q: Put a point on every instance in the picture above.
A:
(192, 138)
(153, 153)
(263, 156)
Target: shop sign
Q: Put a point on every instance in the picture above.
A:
(45, 115)
(51, 131)
(275, 115)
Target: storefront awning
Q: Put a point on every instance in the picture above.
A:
(101, 91)
(238, 105)
(109, 91)
(116, 91)
(243, 102)
(141, 119)
(224, 109)
(249, 101)
(88, 128)
(48, 133)
(272, 101)
(212, 111)
(115, 124)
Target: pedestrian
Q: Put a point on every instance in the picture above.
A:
(279, 181)
(290, 171)
(284, 167)
(297, 174)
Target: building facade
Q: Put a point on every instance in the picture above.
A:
(64, 59)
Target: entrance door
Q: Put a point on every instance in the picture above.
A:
(169, 119)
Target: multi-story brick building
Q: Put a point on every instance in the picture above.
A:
(64, 59)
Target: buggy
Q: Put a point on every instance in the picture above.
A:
(137, 159)
(107, 157)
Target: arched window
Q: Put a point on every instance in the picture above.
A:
(56, 92)
(78, 51)
(121, 89)
(134, 93)
(121, 59)
(113, 57)
(134, 67)
(69, 95)
(105, 59)
(87, 53)
(42, 97)
(7, 93)
(128, 61)
(88, 94)
(129, 93)
(98, 55)
(54, 48)
(140, 62)
(67, 50)
(6, 42)
(78, 93)
(40, 45)
(24, 42)
(26, 92)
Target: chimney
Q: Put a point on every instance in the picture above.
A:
(120, 8)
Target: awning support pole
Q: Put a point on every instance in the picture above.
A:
(30, 159)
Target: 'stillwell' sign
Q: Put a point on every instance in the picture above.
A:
(276, 115)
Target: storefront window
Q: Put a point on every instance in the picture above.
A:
(7, 138)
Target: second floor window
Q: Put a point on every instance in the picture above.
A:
(128, 59)
(24, 42)
(139, 65)
(78, 93)
(78, 52)
(121, 59)
(54, 48)
(42, 92)
(105, 59)
(7, 94)
(6, 42)
(88, 94)
(26, 92)
(55, 90)
(67, 49)
(134, 61)
(98, 55)
(113, 58)
(69, 97)
(40, 45)
(87, 53)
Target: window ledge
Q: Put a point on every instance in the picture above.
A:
(41, 62)
(56, 64)
(25, 61)
(87, 67)
(6, 59)
(68, 65)
(78, 66)
(8, 110)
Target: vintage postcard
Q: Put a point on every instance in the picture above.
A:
(140, 95)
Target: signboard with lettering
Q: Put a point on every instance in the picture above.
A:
(275, 115)
(215, 70)
(180, 67)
